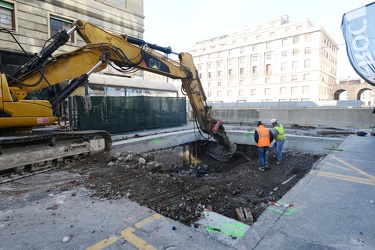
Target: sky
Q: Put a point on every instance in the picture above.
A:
(181, 23)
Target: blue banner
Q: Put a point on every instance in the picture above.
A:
(358, 27)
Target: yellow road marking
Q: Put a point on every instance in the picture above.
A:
(102, 244)
(345, 177)
(370, 180)
(340, 167)
(128, 235)
(354, 168)
(143, 222)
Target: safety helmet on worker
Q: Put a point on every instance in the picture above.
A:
(274, 120)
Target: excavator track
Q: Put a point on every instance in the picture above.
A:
(29, 154)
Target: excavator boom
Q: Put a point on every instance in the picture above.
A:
(120, 51)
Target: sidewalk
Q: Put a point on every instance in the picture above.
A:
(334, 205)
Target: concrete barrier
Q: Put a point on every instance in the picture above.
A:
(326, 117)
(308, 144)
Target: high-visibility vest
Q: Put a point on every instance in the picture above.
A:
(264, 136)
(280, 132)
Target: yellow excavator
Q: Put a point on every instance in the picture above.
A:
(20, 117)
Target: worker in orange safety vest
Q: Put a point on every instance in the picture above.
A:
(263, 137)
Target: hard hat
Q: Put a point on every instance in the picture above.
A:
(273, 120)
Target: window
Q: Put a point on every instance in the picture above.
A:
(255, 70)
(306, 77)
(282, 91)
(295, 39)
(209, 84)
(268, 45)
(219, 63)
(253, 80)
(241, 82)
(308, 50)
(295, 65)
(241, 92)
(230, 52)
(7, 19)
(283, 42)
(209, 75)
(253, 92)
(284, 53)
(230, 62)
(306, 89)
(294, 78)
(242, 72)
(283, 66)
(295, 52)
(219, 74)
(254, 48)
(293, 90)
(268, 56)
(254, 58)
(283, 78)
(299, 27)
(307, 63)
(268, 69)
(219, 84)
(209, 65)
(267, 91)
(242, 60)
(229, 93)
(308, 38)
(200, 66)
(230, 73)
(60, 23)
(218, 93)
(209, 94)
(200, 75)
(267, 80)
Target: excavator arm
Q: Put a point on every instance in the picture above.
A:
(120, 51)
(149, 60)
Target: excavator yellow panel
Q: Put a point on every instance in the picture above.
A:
(27, 113)
(4, 90)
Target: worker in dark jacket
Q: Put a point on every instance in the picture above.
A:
(263, 137)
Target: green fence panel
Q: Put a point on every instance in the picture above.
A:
(123, 114)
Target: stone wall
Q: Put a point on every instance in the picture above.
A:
(32, 17)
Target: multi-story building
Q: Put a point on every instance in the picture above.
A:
(33, 22)
(277, 60)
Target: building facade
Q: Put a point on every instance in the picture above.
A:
(277, 60)
(32, 22)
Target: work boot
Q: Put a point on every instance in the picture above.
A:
(266, 166)
(261, 169)
(278, 162)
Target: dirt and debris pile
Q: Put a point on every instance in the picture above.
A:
(182, 191)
